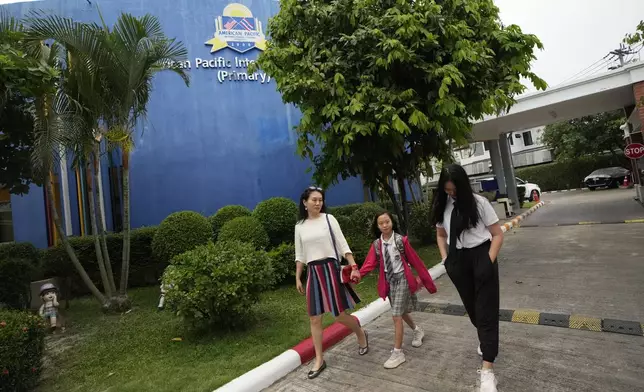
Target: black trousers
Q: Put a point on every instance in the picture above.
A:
(476, 278)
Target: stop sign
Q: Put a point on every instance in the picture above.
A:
(634, 151)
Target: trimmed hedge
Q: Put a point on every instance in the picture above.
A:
(283, 259)
(20, 250)
(226, 214)
(215, 285)
(345, 210)
(567, 175)
(144, 268)
(15, 276)
(22, 343)
(180, 232)
(245, 229)
(420, 227)
(278, 215)
(362, 218)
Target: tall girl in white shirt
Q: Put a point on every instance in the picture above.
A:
(469, 238)
(320, 245)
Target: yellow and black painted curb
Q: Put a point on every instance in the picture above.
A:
(534, 317)
(588, 223)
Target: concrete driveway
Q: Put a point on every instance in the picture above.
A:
(592, 270)
(610, 205)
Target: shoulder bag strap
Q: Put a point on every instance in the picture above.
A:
(335, 249)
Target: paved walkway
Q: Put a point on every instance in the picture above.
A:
(589, 270)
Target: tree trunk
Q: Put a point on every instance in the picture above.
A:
(125, 266)
(97, 243)
(70, 251)
(392, 196)
(403, 203)
(101, 223)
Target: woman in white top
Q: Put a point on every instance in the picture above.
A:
(469, 238)
(320, 245)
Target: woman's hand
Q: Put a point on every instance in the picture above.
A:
(355, 276)
(300, 288)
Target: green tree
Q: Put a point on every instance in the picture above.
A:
(107, 83)
(590, 136)
(636, 37)
(384, 86)
(16, 145)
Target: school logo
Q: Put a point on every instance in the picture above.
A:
(238, 30)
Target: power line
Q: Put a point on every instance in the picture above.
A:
(602, 60)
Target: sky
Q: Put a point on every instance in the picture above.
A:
(575, 33)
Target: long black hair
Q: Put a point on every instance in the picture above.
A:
(465, 202)
(305, 196)
(375, 230)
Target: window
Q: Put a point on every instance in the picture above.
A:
(486, 146)
(527, 138)
(511, 139)
(478, 150)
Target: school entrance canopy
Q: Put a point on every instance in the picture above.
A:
(618, 89)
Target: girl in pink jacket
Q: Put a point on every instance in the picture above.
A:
(395, 257)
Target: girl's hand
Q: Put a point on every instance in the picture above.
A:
(300, 288)
(355, 276)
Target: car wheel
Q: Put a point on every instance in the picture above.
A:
(614, 184)
(591, 188)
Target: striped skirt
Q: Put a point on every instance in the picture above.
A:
(325, 293)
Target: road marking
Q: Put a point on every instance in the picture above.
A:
(586, 323)
(589, 223)
(534, 317)
(634, 221)
(525, 316)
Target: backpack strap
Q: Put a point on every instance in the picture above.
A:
(376, 246)
(398, 239)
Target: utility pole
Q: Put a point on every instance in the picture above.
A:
(620, 53)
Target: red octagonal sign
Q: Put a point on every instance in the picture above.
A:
(634, 151)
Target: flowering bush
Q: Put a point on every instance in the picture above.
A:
(22, 342)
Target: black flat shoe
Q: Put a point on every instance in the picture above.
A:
(314, 373)
(364, 350)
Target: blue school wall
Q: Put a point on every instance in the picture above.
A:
(226, 139)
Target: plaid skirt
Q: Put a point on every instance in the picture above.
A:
(325, 292)
(402, 301)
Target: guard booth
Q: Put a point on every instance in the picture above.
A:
(633, 134)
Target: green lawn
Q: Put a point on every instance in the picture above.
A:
(135, 351)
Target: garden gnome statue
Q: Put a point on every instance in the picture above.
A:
(49, 307)
(162, 298)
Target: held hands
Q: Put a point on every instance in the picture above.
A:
(355, 276)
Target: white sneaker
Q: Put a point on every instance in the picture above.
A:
(418, 337)
(488, 380)
(396, 359)
(478, 350)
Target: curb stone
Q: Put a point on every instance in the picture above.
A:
(565, 190)
(269, 372)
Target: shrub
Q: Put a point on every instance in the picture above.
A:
(566, 175)
(15, 277)
(345, 210)
(278, 215)
(362, 218)
(144, 268)
(283, 259)
(225, 214)
(359, 245)
(20, 250)
(245, 229)
(420, 227)
(180, 232)
(217, 284)
(22, 343)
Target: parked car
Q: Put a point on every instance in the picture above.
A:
(529, 190)
(609, 177)
(532, 191)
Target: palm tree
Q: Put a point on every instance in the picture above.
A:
(109, 74)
